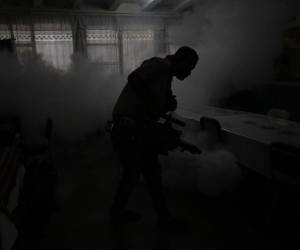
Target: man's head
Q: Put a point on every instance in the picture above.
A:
(183, 62)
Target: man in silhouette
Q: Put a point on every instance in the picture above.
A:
(136, 136)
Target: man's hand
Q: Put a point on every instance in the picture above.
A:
(172, 103)
(186, 146)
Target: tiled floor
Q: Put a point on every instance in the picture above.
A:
(88, 175)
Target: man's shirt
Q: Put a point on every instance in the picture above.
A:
(147, 91)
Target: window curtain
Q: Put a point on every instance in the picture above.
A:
(53, 40)
(5, 32)
(140, 39)
(79, 37)
(102, 41)
(22, 33)
(19, 29)
(118, 43)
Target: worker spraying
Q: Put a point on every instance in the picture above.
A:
(139, 137)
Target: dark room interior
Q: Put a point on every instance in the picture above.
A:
(149, 124)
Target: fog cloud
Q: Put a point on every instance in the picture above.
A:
(237, 42)
(79, 101)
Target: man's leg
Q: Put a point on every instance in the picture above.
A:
(153, 178)
(129, 178)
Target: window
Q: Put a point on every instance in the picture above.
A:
(23, 35)
(118, 43)
(53, 41)
(102, 47)
(137, 45)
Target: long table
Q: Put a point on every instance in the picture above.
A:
(251, 135)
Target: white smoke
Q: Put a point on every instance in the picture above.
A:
(214, 172)
(79, 101)
(237, 42)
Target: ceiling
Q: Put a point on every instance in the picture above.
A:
(111, 5)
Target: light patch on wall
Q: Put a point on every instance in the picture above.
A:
(129, 8)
